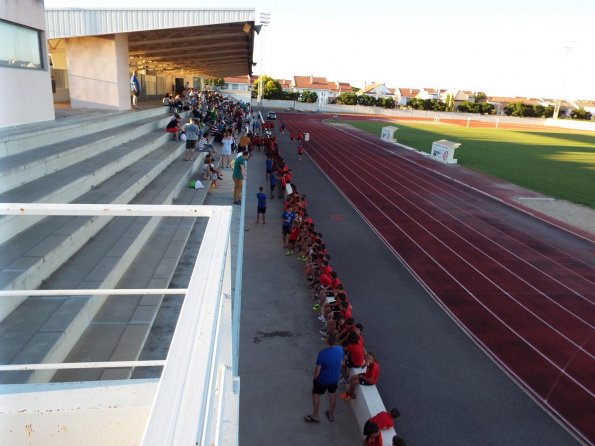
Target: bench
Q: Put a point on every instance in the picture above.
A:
(368, 403)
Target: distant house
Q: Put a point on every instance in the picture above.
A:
(376, 90)
(285, 84)
(336, 88)
(500, 102)
(238, 83)
(404, 94)
(319, 85)
(458, 96)
(430, 93)
(587, 105)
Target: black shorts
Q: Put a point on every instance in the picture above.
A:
(190, 143)
(261, 210)
(320, 389)
(286, 229)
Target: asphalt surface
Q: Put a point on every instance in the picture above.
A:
(448, 390)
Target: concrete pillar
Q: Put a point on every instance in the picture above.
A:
(98, 72)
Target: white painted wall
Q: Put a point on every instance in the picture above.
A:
(72, 414)
(571, 124)
(20, 86)
(98, 74)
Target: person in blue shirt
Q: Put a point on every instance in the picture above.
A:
(273, 182)
(134, 89)
(269, 167)
(261, 208)
(287, 218)
(326, 378)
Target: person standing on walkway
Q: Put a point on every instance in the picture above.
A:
(238, 175)
(326, 378)
(261, 208)
(192, 131)
(134, 89)
(227, 141)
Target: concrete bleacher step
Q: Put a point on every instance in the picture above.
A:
(73, 181)
(27, 166)
(33, 255)
(100, 263)
(124, 322)
(20, 139)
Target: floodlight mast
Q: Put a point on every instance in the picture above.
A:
(265, 20)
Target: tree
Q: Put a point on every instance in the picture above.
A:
(364, 99)
(309, 96)
(415, 103)
(355, 89)
(477, 107)
(271, 89)
(581, 114)
(389, 103)
(347, 99)
(450, 103)
(480, 97)
(519, 109)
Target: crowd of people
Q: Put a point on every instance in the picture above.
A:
(343, 336)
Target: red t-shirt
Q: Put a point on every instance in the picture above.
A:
(293, 235)
(383, 420)
(325, 280)
(372, 372)
(375, 441)
(356, 352)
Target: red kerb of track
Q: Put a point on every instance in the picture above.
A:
(523, 288)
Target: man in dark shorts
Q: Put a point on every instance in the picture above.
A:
(326, 378)
(261, 208)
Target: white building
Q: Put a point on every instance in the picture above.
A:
(24, 64)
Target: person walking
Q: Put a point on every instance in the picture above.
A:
(238, 175)
(326, 378)
(134, 89)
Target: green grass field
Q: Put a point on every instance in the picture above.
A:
(555, 163)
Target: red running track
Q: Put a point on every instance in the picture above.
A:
(523, 289)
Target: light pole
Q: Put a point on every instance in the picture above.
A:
(265, 19)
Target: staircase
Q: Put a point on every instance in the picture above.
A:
(124, 157)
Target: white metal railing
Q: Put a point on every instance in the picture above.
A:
(188, 407)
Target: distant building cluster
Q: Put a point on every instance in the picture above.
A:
(328, 91)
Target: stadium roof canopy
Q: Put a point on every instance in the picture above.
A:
(210, 42)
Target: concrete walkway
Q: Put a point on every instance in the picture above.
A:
(279, 341)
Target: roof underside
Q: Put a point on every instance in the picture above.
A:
(208, 42)
(215, 50)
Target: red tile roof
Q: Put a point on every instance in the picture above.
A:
(310, 82)
(408, 92)
(237, 80)
(339, 87)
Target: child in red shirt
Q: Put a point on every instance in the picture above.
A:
(384, 420)
(364, 379)
(293, 236)
(300, 150)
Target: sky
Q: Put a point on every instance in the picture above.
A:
(530, 48)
